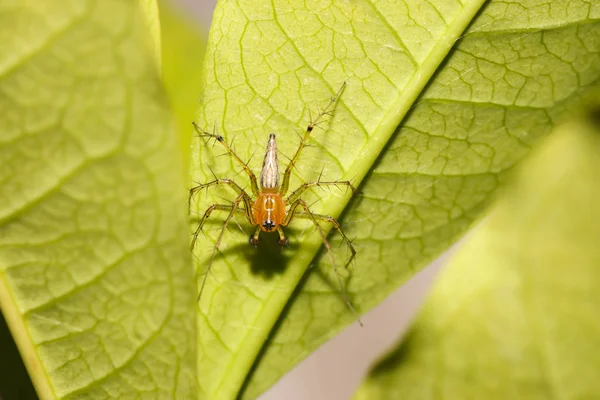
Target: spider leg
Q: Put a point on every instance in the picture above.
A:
(233, 154)
(306, 213)
(232, 209)
(326, 111)
(207, 213)
(295, 195)
(337, 227)
(241, 192)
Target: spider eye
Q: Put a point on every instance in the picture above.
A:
(268, 225)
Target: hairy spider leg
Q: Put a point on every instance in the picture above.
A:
(209, 210)
(221, 139)
(304, 141)
(229, 182)
(337, 227)
(308, 214)
(233, 208)
(295, 195)
(241, 192)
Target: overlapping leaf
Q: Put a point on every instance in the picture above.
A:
(95, 281)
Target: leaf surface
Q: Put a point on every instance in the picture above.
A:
(431, 119)
(95, 282)
(514, 314)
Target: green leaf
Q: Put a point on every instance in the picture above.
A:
(95, 283)
(514, 315)
(430, 121)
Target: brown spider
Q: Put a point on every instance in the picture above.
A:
(269, 209)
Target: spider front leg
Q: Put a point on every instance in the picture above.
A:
(233, 208)
(326, 111)
(306, 213)
(221, 139)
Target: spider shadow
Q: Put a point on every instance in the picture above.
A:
(268, 258)
(327, 278)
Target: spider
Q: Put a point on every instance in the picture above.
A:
(269, 209)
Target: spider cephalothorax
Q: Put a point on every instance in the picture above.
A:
(269, 209)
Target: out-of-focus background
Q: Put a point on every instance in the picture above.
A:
(336, 369)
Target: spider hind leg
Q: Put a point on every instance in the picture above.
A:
(232, 208)
(300, 209)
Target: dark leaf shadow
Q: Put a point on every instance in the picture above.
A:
(391, 363)
(14, 380)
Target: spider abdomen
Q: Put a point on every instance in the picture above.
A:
(269, 211)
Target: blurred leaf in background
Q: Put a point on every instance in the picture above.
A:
(183, 47)
(515, 314)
